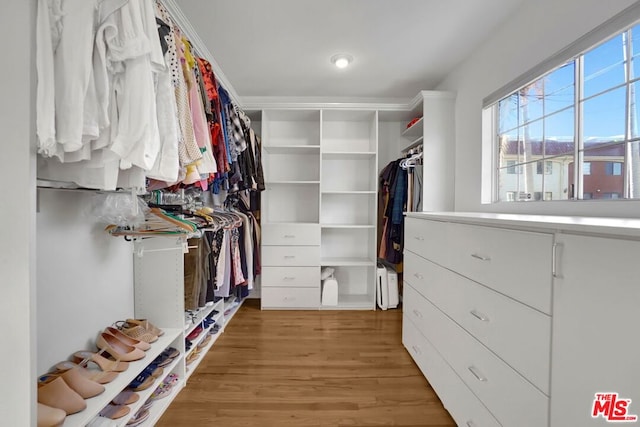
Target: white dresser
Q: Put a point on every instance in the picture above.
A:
(507, 315)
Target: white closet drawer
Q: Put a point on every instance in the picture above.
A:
(520, 335)
(515, 263)
(291, 234)
(278, 297)
(427, 239)
(291, 256)
(456, 397)
(509, 396)
(291, 276)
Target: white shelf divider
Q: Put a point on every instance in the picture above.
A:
(294, 149)
(415, 130)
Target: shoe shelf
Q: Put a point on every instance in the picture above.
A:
(96, 404)
(202, 314)
(161, 405)
(199, 339)
(146, 394)
(191, 368)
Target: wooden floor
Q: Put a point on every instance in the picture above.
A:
(308, 368)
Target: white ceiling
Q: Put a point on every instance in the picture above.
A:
(283, 47)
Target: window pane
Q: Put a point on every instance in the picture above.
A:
(508, 148)
(508, 113)
(559, 89)
(559, 133)
(604, 118)
(532, 147)
(507, 185)
(633, 166)
(599, 183)
(634, 115)
(558, 173)
(635, 51)
(530, 185)
(604, 67)
(530, 101)
(586, 168)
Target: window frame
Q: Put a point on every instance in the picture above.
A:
(575, 191)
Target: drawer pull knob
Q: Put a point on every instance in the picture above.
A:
(479, 316)
(289, 256)
(470, 423)
(289, 236)
(417, 313)
(288, 278)
(418, 276)
(288, 299)
(416, 349)
(418, 238)
(477, 373)
(480, 257)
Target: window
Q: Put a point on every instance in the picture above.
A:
(578, 124)
(613, 168)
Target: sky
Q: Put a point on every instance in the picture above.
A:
(603, 108)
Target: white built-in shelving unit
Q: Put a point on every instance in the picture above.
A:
(320, 205)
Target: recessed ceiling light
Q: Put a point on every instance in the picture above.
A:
(341, 60)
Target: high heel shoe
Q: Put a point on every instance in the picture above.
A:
(83, 357)
(101, 377)
(58, 394)
(49, 416)
(85, 387)
(142, 345)
(118, 349)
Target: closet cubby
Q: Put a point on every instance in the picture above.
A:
(348, 208)
(291, 202)
(347, 245)
(347, 131)
(348, 172)
(355, 289)
(290, 128)
(298, 165)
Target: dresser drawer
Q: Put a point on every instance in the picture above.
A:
(291, 256)
(280, 297)
(515, 263)
(291, 234)
(518, 334)
(456, 397)
(291, 276)
(509, 396)
(427, 238)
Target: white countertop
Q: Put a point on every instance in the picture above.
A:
(620, 227)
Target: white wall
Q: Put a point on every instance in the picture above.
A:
(85, 276)
(535, 32)
(17, 203)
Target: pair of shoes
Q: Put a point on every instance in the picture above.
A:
(166, 357)
(126, 397)
(214, 329)
(49, 416)
(187, 344)
(140, 329)
(117, 348)
(114, 412)
(195, 333)
(82, 358)
(142, 345)
(67, 390)
(101, 377)
(146, 378)
(140, 417)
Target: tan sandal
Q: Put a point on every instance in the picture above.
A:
(146, 325)
(101, 377)
(49, 416)
(84, 357)
(118, 349)
(138, 333)
(141, 344)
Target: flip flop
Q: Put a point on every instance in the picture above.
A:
(140, 417)
(114, 412)
(126, 397)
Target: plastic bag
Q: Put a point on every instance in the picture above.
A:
(121, 209)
